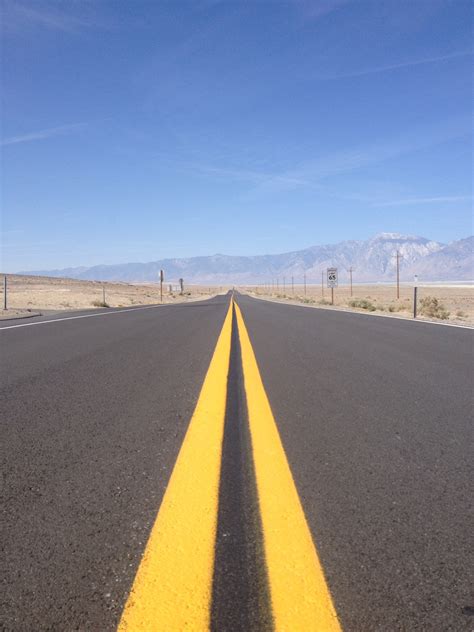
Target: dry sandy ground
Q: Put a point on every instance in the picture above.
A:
(457, 300)
(48, 293)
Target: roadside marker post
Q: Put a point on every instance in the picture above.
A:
(162, 278)
(5, 304)
(415, 295)
(103, 295)
(398, 274)
(332, 281)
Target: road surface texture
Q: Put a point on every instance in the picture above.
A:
(110, 472)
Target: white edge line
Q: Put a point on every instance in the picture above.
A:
(350, 311)
(57, 320)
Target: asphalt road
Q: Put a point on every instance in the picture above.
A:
(375, 415)
(94, 411)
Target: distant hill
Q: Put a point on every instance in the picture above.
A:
(454, 262)
(372, 260)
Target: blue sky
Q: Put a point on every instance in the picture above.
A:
(134, 131)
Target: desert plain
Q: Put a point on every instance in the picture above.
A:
(33, 294)
(27, 294)
(443, 302)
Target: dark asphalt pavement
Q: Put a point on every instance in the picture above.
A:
(93, 411)
(375, 416)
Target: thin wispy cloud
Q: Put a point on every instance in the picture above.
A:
(403, 64)
(314, 172)
(315, 9)
(257, 177)
(42, 134)
(18, 17)
(427, 200)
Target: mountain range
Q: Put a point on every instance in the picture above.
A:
(373, 260)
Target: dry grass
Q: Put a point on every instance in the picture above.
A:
(48, 293)
(451, 303)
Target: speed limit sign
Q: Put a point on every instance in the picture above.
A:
(332, 277)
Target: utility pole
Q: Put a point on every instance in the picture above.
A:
(350, 272)
(398, 256)
(304, 279)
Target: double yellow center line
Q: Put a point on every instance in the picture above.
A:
(172, 590)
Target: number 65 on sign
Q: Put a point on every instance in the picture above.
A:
(332, 277)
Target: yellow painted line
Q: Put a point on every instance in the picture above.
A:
(173, 586)
(300, 597)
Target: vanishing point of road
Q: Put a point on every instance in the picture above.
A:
(236, 465)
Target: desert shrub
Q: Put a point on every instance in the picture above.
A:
(307, 300)
(395, 308)
(431, 307)
(323, 301)
(363, 303)
(461, 314)
(100, 304)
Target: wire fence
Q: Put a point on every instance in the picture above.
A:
(30, 293)
(449, 302)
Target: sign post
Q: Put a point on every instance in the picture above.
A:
(332, 281)
(181, 286)
(162, 278)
